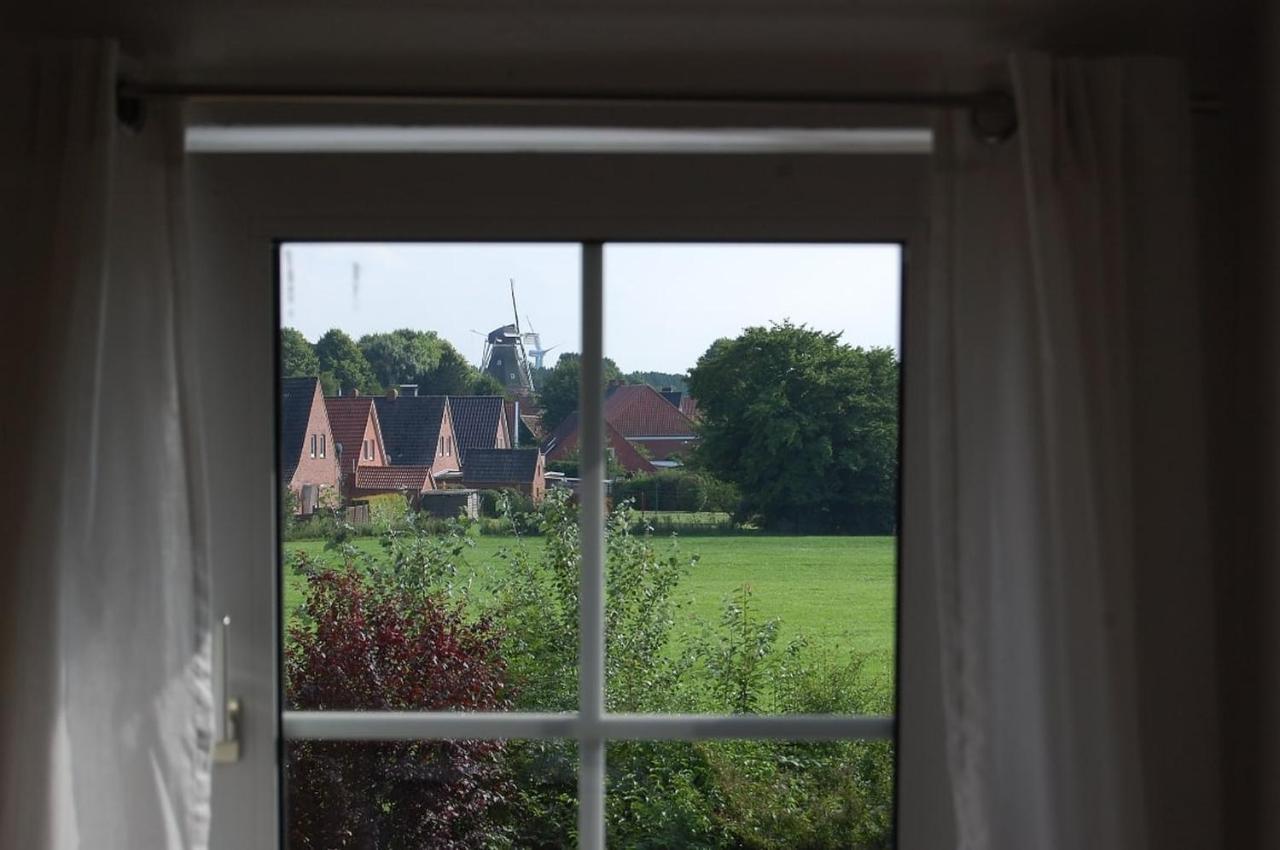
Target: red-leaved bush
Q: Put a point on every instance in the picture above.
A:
(366, 643)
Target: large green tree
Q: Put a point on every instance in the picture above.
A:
(343, 366)
(404, 356)
(297, 356)
(806, 426)
(558, 392)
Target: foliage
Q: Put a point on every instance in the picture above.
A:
(570, 462)
(402, 356)
(659, 380)
(805, 426)
(558, 390)
(407, 356)
(677, 490)
(371, 640)
(386, 510)
(343, 367)
(297, 356)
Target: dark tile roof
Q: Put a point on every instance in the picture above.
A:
(415, 478)
(640, 410)
(411, 428)
(476, 420)
(672, 396)
(348, 416)
(296, 397)
(500, 466)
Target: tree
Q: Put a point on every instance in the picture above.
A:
(343, 366)
(558, 392)
(452, 374)
(806, 426)
(404, 356)
(297, 356)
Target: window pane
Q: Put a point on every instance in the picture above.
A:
(455, 794)
(732, 794)
(752, 413)
(438, 573)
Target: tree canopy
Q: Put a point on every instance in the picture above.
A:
(343, 366)
(558, 392)
(805, 425)
(402, 357)
(297, 356)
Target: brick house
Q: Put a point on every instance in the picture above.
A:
(308, 458)
(357, 437)
(418, 431)
(645, 430)
(523, 470)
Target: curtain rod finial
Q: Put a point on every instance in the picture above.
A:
(994, 116)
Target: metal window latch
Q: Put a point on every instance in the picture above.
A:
(226, 746)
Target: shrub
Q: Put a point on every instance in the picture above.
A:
(386, 509)
(372, 641)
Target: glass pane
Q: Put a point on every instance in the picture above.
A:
(752, 413)
(760, 794)
(455, 794)
(430, 562)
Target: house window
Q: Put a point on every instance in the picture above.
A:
(322, 445)
(313, 445)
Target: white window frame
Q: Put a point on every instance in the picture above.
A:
(244, 205)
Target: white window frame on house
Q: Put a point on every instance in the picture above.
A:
(244, 206)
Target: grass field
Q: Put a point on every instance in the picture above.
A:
(838, 591)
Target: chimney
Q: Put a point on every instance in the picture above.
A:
(356, 392)
(393, 393)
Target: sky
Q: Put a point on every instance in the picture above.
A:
(664, 303)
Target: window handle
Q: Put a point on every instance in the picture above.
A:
(226, 746)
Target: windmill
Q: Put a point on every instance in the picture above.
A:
(505, 356)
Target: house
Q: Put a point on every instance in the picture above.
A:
(418, 431)
(479, 423)
(642, 427)
(682, 401)
(562, 444)
(506, 469)
(357, 436)
(524, 422)
(308, 457)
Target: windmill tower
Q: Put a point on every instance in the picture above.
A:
(505, 355)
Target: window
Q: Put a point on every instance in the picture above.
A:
(322, 445)
(707, 198)
(313, 445)
(773, 664)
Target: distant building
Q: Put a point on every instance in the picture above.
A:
(479, 422)
(644, 429)
(419, 431)
(357, 436)
(308, 457)
(506, 469)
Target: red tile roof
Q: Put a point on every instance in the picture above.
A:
(348, 416)
(638, 410)
(385, 478)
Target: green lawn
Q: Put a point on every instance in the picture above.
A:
(838, 591)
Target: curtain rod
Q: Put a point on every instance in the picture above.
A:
(991, 113)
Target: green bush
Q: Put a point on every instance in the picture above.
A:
(677, 490)
(386, 509)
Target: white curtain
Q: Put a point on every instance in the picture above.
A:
(107, 709)
(1064, 384)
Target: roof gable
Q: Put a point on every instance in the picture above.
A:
(297, 395)
(411, 427)
(477, 420)
(348, 418)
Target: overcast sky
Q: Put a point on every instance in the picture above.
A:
(664, 304)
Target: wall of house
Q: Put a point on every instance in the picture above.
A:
(317, 470)
(446, 456)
